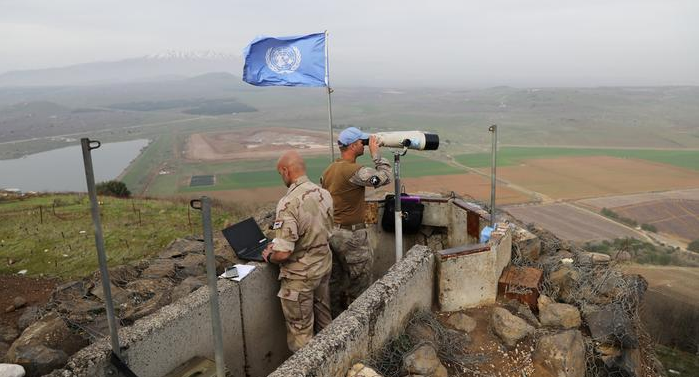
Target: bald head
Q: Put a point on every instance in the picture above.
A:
(291, 166)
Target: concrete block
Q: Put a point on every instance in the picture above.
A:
(262, 321)
(466, 279)
(526, 244)
(437, 213)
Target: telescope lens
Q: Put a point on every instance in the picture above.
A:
(431, 142)
(365, 141)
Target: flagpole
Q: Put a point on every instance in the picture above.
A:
(330, 108)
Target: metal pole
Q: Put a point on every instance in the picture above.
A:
(87, 146)
(398, 219)
(493, 180)
(330, 107)
(213, 289)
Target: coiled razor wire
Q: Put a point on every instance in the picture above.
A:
(450, 345)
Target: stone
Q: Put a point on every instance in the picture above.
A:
(191, 265)
(461, 322)
(421, 332)
(159, 300)
(39, 360)
(558, 315)
(361, 370)
(560, 355)
(567, 280)
(142, 290)
(10, 309)
(180, 247)
(8, 333)
(119, 295)
(123, 274)
(611, 325)
(622, 256)
(590, 258)
(159, 269)
(29, 316)
(11, 370)
(4, 347)
(423, 360)
(626, 362)
(526, 244)
(19, 302)
(186, 287)
(509, 327)
(522, 310)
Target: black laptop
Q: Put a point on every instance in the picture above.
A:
(246, 239)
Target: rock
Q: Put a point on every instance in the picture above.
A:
(361, 370)
(37, 347)
(461, 322)
(590, 258)
(523, 310)
(180, 247)
(567, 280)
(611, 325)
(4, 347)
(191, 265)
(526, 244)
(423, 360)
(144, 289)
(508, 327)
(159, 268)
(29, 316)
(421, 332)
(123, 274)
(622, 256)
(119, 296)
(626, 362)
(558, 315)
(19, 302)
(10, 309)
(186, 287)
(560, 355)
(8, 333)
(11, 370)
(159, 300)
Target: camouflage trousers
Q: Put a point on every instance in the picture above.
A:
(352, 266)
(306, 308)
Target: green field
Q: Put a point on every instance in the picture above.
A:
(509, 156)
(62, 244)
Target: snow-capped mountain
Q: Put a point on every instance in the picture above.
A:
(164, 65)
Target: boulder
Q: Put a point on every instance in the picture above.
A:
(590, 258)
(611, 325)
(29, 316)
(8, 333)
(119, 296)
(558, 315)
(526, 244)
(361, 370)
(566, 279)
(461, 322)
(159, 269)
(421, 332)
(423, 360)
(38, 360)
(522, 310)
(142, 290)
(159, 300)
(123, 274)
(191, 265)
(560, 355)
(4, 347)
(180, 247)
(508, 327)
(11, 370)
(186, 287)
(19, 302)
(625, 362)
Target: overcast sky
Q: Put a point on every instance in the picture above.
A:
(407, 42)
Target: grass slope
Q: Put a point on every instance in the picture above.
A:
(64, 244)
(508, 156)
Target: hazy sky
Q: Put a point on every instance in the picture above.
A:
(408, 42)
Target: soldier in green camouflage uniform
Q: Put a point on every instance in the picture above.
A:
(347, 181)
(303, 224)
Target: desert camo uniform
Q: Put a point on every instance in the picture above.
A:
(352, 254)
(303, 224)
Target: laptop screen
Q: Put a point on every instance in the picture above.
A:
(243, 235)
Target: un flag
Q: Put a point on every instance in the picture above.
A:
(286, 61)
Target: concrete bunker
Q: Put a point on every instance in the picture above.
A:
(443, 265)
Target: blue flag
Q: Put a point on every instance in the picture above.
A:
(286, 61)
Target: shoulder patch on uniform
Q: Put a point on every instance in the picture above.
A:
(277, 224)
(374, 180)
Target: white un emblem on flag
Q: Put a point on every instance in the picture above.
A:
(283, 59)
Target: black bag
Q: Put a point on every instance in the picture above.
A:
(412, 215)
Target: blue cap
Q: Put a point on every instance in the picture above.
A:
(350, 135)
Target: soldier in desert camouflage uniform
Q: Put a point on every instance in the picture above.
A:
(303, 224)
(347, 181)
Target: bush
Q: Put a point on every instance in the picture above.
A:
(693, 246)
(113, 188)
(649, 227)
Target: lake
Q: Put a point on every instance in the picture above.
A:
(63, 169)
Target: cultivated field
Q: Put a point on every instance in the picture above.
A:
(584, 177)
(681, 283)
(254, 143)
(625, 200)
(569, 222)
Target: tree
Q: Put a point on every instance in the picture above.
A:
(113, 188)
(694, 246)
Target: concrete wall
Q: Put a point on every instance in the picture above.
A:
(468, 275)
(254, 335)
(375, 317)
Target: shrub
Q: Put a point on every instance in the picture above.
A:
(649, 227)
(113, 188)
(694, 246)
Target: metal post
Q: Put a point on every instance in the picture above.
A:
(212, 281)
(330, 108)
(398, 216)
(493, 180)
(87, 146)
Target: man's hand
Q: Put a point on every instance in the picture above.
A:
(267, 253)
(374, 146)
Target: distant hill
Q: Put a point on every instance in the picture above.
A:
(158, 67)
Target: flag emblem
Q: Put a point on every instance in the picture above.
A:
(283, 59)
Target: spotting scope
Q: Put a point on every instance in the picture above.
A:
(410, 139)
